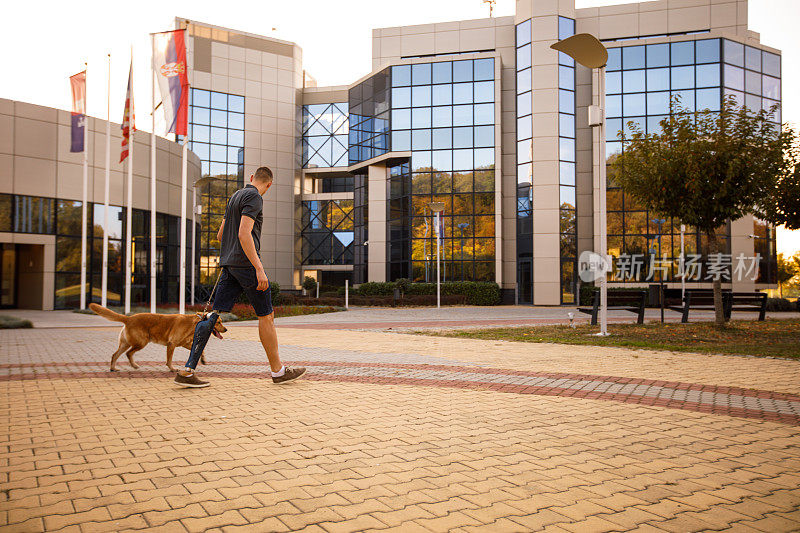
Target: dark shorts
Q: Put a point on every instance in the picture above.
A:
(236, 280)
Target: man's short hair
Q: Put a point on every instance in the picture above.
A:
(263, 174)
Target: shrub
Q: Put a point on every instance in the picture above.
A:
(475, 293)
(780, 304)
(309, 284)
(12, 322)
(275, 292)
(373, 288)
(402, 285)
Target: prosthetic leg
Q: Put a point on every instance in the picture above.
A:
(202, 332)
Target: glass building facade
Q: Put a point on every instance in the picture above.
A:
(641, 80)
(443, 112)
(327, 232)
(217, 137)
(568, 207)
(325, 135)
(524, 164)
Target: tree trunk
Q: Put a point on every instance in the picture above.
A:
(719, 312)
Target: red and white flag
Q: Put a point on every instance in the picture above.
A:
(169, 64)
(128, 125)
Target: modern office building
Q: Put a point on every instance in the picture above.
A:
(41, 195)
(478, 114)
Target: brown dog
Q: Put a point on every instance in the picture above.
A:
(143, 328)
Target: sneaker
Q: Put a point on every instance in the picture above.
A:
(190, 381)
(290, 374)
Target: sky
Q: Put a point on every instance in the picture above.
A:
(54, 39)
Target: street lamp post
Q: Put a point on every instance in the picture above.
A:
(587, 50)
(683, 264)
(660, 223)
(197, 210)
(437, 208)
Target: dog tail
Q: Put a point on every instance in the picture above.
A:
(108, 313)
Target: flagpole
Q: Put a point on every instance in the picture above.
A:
(84, 206)
(153, 183)
(104, 290)
(182, 261)
(129, 219)
(194, 237)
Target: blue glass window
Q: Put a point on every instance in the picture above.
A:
(614, 106)
(686, 99)
(442, 116)
(201, 98)
(734, 77)
(613, 82)
(462, 93)
(771, 87)
(401, 97)
(753, 102)
(658, 103)
(734, 53)
(484, 157)
(654, 121)
(566, 78)
(421, 140)
(483, 91)
(421, 73)
(707, 51)
(658, 79)
(613, 127)
(614, 59)
(200, 133)
(442, 138)
(236, 121)
(707, 75)
(462, 137)
(524, 127)
(219, 135)
(566, 125)
(771, 64)
(421, 95)
(484, 136)
(484, 69)
(201, 115)
(401, 119)
(421, 117)
(752, 82)
(462, 71)
(524, 57)
(236, 103)
(633, 105)
(219, 100)
(442, 160)
(682, 77)
(566, 27)
(401, 76)
(219, 118)
(566, 149)
(236, 138)
(752, 58)
(657, 55)
(462, 115)
(523, 33)
(524, 104)
(633, 57)
(566, 101)
(442, 72)
(484, 114)
(442, 94)
(566, 173)
(420, 161)
(524, 81)
(462, 159)
(401, 140)
(682, 53)
(633, 81)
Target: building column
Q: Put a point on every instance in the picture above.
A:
(377, 193)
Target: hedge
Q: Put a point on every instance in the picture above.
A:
(475, 292)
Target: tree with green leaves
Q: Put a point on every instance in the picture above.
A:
(788, 269)
(705, 168)
(781, 206)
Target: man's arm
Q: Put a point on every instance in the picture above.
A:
(249, 247)
(219, 231)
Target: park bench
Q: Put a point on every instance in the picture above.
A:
(619, 299)
(703, 299)
(746, 301)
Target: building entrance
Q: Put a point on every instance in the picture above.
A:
(8, 276)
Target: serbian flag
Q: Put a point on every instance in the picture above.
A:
(78, 85)
(128, 125)
(169, 64)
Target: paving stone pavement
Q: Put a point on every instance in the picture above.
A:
(394, 432)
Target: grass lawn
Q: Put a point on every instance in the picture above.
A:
(775, 338)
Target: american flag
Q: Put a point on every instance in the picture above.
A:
(128, 126)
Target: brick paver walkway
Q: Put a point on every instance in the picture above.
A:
(391, 431)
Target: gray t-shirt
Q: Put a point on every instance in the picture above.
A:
(244, 202)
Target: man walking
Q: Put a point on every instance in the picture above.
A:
(240, 240)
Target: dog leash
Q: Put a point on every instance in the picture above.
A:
(211, 296)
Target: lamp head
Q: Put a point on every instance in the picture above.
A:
(585, 49)
(437, 207)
